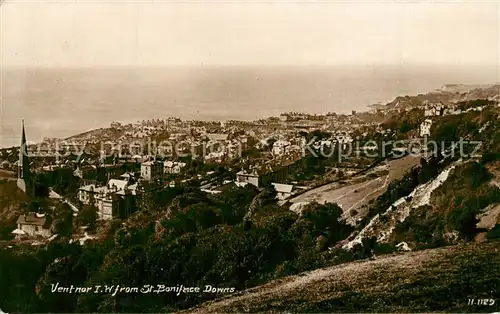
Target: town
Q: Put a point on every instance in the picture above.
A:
(112, 172)
(189, 202)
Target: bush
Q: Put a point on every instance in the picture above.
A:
(490, 157)
(494, 233)
(384, 248)
(87, 217)
(463, 219)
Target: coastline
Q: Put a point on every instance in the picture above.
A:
(61, 102)
(11, 141)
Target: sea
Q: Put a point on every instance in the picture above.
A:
(61, 102)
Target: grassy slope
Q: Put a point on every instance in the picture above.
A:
(10, 206)
(430, 280)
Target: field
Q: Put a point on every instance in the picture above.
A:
(441, 279)
(356, 194)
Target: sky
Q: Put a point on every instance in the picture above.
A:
(156, 33)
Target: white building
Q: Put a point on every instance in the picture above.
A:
(173, 167)
(151, 170)
(281, 147)
(32, 225)
(344, 138)
(87, 193)
(243, 178)
(433, 110)
(425, 128)
(111, 200)
(217, 137)
(284, 191)
(452, 111)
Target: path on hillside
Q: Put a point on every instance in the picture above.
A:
(495, 183)
(490, 218)
(355, 195)
(365, 198)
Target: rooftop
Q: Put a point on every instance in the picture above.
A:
(283, 188)
(217, 136)
(93, 188)
(120, 184)
(244, 173)
(32, 219)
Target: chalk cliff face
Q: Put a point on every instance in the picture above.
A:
(461, 203)
(382, 225)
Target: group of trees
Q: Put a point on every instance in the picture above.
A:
(452, 128)
(464, 105)
(240, 238)
(472, 193)
(12, 203)
(404, 122)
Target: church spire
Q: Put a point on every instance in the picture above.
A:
(23, 138)
(24, 165)
(23, 149)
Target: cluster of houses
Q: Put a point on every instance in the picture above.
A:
(115, 199)
(256, 179)
(218, 147)
(119, 196)
(284, 147)
(439, 109)
(296, 145)
(271, 174)
(436, 110)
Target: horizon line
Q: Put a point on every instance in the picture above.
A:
(248, 65)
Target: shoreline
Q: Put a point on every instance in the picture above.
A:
(449, 88)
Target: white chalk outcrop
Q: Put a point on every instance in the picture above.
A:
(382, 228)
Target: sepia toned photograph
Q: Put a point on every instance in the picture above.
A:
(191, 156)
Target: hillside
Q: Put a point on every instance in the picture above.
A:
(461, 88)
(11, 202)
(429, 280)
(448, 94)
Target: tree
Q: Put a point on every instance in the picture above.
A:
(270, 142)
(40, 186)
(340, 174)
(463, 218)
(63, 221)
(87, 217)
(494, 233)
